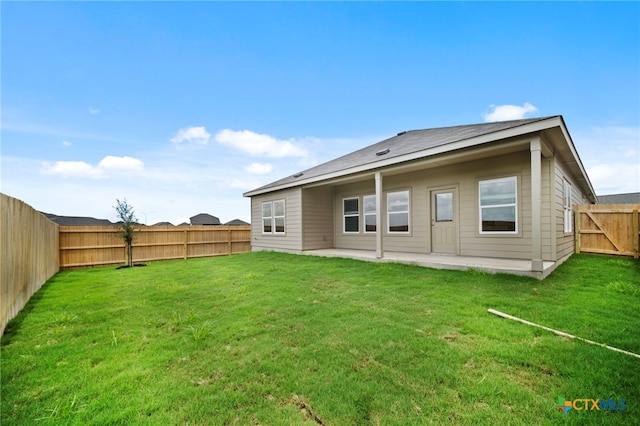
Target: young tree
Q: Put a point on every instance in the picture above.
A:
(127, 226)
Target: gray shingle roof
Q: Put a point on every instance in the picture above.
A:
(236, 222)
(630, 198)
(402, 144)
(204, 219)
(77, 220)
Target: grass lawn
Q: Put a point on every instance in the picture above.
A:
(271, 338)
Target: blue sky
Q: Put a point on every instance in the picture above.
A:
(182, 107)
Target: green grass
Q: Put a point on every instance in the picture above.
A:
(268, 338)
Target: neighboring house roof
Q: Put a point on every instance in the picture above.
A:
(237, 222)
(163, 224)
(204, 219)
(77, 220)
(184, 224)
(418, 144)
(630, 198)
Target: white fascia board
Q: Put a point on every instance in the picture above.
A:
(461, 144)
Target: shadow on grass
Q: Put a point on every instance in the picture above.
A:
(134, 265)
(15, 324)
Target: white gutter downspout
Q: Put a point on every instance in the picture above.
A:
(379, 248)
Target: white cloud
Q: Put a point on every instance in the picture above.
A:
(66, 143)
(171, 185)
(72, 169)
(259, 168)
(83, 169)
(94, 111)
(197, 135)
(256, 144)
(508, 112)
(121, 163)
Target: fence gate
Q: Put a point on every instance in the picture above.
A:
(608, 229)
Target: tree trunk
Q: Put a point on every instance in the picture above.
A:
(130, 254)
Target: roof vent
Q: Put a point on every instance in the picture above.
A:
(383, 152)
(402, 133)
(297, 175)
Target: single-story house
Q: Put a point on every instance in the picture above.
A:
(500, 190)
(77, 220)
(204, 219)
(628, 198)
(236, 222)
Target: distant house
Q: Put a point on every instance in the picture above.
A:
(204, 219)
(163, 224)
(77, 220)
(184, 224)
(501, 190)
(629, 198)
(237, 222)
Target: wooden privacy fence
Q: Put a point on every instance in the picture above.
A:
(608, 229)
(102, 245)
(29, 255)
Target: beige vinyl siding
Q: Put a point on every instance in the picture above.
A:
(565, 243)
(291, 240)
(361, 240)
(464, 178)
(322, 223)
(472, 243)
(416, 240)
(317, 223)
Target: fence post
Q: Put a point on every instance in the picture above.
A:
(636, 237)
(576, 221)
(229, 238)
(186, 247)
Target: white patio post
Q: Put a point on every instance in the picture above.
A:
(536, 205)
(379, 249)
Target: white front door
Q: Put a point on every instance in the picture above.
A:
(444, 223)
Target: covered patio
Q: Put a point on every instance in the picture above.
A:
(440, 261)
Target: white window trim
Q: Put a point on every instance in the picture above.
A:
(567, 212)
(408, 212)
(344, 216)
(273, 217)
(365, 214)
(266, 217)
(283, 216)
(480, 207)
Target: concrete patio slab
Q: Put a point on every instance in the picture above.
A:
(440, 261)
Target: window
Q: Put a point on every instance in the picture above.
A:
(568, 224)
(369, 206)
(278, 216)
(398, 212)
(266, 218)
(351, 215)
(273, 214)
(444, 207)
(498, 205)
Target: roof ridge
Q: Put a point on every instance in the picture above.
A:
(522, 120)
